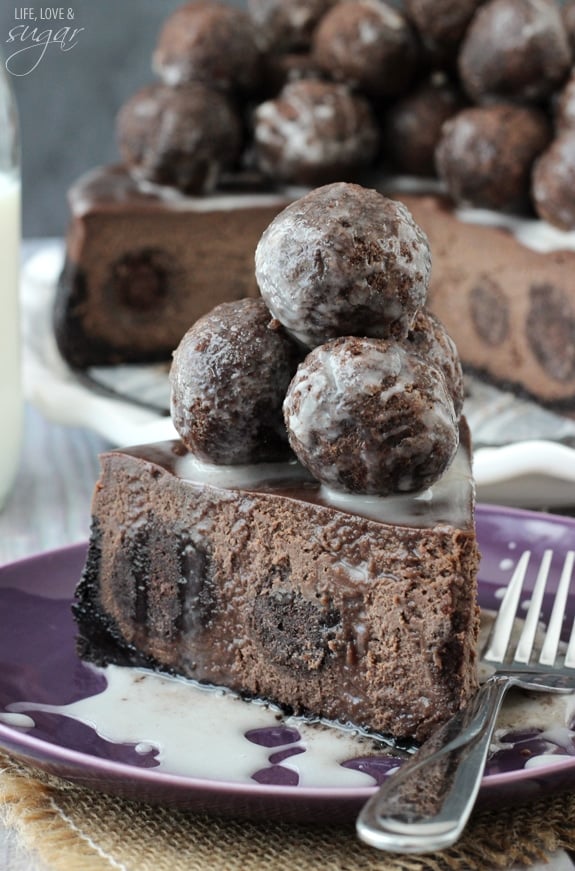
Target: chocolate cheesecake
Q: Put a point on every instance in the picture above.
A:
(501, 285)
(358, 609)
(308, 92)
(142, 264)
(310, 541)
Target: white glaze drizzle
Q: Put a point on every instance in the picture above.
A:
(404, 509)
(191, 468)
(17, 721)
(200, 731)
(82, 198)
(537, 235)
(415, 509)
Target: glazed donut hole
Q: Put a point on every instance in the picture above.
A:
(412, 125)
(228, 380)
(343, 260)
(370, 416)
(486, 155)
(211, 42)
(516, 51)
(314, 132)
(183, 138)
(286, 25)
(369, 45)
(441, 25)
(376, 415)
(568, 17)
(429, 339)
(564, 106)
(554, 182)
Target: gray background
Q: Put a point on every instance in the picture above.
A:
(68, 103)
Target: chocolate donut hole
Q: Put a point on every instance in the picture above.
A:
(314, 132)
(441, 25)
(295, 632)
(489, 311)
(343, 260)
(370, 45)
(179, 137)
(429, 338)
(210, 42)
(550, 329)
(286, 25)
(411, 127)
(515, 50)
(486, 154)
(367, 416)
(228, 379)
(141, 280)
(553, 185)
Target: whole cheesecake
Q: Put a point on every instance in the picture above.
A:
(248, 105)
(501, 286)
(159, 263)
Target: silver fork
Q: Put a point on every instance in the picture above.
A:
(425, 805)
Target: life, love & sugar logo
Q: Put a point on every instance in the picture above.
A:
(28, 41)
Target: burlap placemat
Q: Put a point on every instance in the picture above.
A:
(74, 829)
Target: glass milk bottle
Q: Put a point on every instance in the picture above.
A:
(11, 401)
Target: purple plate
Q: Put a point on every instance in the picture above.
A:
(38, 661)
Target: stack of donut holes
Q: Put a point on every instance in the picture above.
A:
(477, 92)
(338, 362)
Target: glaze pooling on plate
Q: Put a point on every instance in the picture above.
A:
(201, 732)
(41, 678)
(528, 736)
(181, 727)
(194, 731)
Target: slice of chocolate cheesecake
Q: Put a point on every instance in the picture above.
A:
(358, 609)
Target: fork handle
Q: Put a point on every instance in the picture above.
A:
(425, 805)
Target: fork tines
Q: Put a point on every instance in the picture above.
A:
(498, 650)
